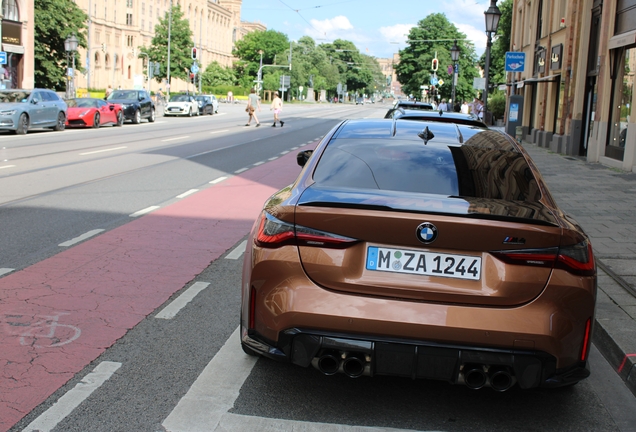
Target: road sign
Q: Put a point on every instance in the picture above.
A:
(515, 61)
(195, 68)
(3, 57)
(285, 80)
(339, 88)
(440, 82)
(434, 80)
(449, 69)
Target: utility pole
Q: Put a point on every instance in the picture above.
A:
(169, 30)
(88, 48)
(200, 47)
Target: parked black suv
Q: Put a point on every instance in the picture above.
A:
(137, 104)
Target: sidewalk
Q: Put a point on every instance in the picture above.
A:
(603, 201)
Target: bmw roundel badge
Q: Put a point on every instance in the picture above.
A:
(426, 232)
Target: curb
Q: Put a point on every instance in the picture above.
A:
(615, 331)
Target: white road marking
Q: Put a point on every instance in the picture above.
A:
(215, 390)
(4, 271)
(294, 148)
(80, 238)
(71, 400)
(144, 211)
(180, 302)
(221, 131)
(284, 152)
(238, 251)
(259, 163)
(241, 170)
(176, 138)
(206, 404)
(102, 151)
(218, 180)
(185, 194)
(7, 166)
(273, 158)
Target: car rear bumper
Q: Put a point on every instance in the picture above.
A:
(475, 367)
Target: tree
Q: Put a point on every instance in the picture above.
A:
(436, 35)
(180, 45)
(54, 21)
(273, 44)
(217, 75)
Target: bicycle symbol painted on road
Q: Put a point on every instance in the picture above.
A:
(40, 331)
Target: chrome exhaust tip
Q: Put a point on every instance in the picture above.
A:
(474, 376)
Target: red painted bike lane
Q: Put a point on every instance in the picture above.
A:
(60, 314)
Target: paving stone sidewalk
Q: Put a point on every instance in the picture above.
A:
(603, 201)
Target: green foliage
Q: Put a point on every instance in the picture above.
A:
(222, 90)
(180, 45)
(273, 44)
(415, 67)
(54, 21)
(497, 104)
(216, 75)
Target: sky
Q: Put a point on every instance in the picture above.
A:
(377, 27)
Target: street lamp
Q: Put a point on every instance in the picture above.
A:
(492, 22)
(70, 45)
(168, 62)
(454, 57)
(260, 73)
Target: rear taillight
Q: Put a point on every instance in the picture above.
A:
(274, 233)
(577, 259)
(532, 257)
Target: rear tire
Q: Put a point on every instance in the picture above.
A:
(61, 122)
(23, 125)
(137, 117)
(96, 121)
(151, 119)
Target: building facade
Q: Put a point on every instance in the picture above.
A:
(118, 28)
(16, 34)
(577, 86)
(387, 65)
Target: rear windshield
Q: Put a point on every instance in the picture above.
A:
(485, 166)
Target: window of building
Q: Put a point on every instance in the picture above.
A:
(129, 72)
(129, 19)
(10, 10)
(130, 41)
(105, 12)
(129, 3)
(143, 8)
(621, 109)
(107, 61)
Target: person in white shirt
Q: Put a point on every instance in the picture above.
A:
(464, 108)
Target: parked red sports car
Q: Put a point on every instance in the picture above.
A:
(92, 112)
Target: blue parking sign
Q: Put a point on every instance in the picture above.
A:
(3, 57)
(515, 61)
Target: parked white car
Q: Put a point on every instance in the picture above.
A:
(181, 104)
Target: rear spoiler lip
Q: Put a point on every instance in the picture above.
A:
(405, 202)
(475, 215)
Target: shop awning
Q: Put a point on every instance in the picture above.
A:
(622, 40)
(529, 81)
(17, 49)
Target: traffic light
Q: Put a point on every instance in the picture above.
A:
(195, 53)
(103, 47)
(192, 80)
(435, 64)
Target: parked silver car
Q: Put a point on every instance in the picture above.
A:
(21, 110)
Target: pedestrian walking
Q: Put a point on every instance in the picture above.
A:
(464, 108)
(253, 103)
(442, 106)
(109, 90)
(277, 106)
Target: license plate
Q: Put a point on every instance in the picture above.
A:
(175, 109)
(423, 263)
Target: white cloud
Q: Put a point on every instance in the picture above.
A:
(329, 28)
(475, 35)
(396, 33)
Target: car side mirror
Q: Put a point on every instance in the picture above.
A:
(34, 101)
(303, 156)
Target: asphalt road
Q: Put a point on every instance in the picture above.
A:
(186, 372)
